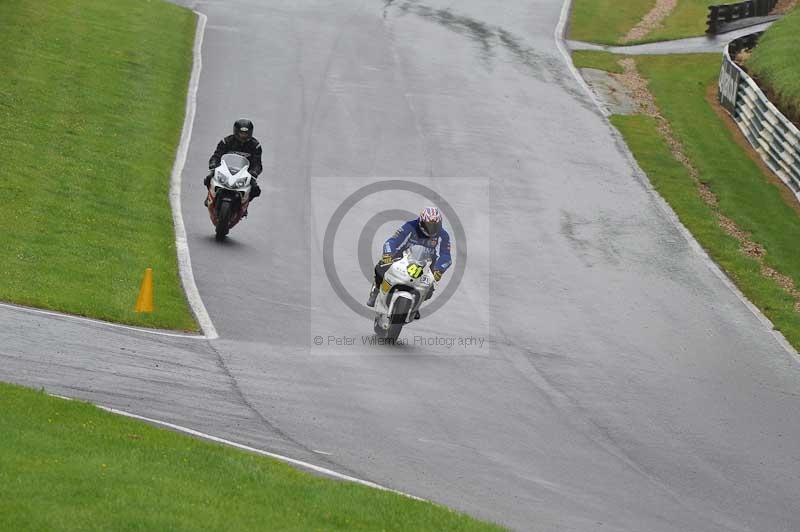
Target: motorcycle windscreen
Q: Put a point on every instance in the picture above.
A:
(235, 163)
(420, 254)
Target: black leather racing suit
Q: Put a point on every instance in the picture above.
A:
(251, 149)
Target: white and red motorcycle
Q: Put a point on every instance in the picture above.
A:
(406, 285)
(229, 193)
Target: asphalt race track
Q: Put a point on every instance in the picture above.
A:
(621, 384)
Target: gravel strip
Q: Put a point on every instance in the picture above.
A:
(651, 20)
(783, 7)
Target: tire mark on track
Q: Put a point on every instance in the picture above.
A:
(269, 424)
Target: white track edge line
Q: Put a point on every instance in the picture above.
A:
(660, 201)
(322, 470)
(216, 439)
(181, 243)
(306, 465)
(559, 35)
(29, 310)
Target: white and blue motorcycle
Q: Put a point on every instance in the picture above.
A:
(407, 284)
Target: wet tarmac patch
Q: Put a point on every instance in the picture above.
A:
(610, 91)
(493, 42)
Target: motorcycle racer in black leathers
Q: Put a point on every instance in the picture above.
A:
(241, 142)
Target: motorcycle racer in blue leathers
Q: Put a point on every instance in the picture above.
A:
(425, 231)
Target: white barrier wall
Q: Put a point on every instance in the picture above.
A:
(772, 135)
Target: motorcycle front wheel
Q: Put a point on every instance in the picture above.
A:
(223, 220)
(398, 318)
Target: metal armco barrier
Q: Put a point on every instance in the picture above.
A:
(726, 13)
(770, 133)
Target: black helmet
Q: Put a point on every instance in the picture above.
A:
(243, 129)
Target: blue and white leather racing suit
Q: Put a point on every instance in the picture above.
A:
(409, 235)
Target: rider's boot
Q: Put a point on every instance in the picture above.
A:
(373, 295)
(416, 315)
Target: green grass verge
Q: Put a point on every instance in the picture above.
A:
(599, 60)
(688, 19)
(680, 85)
(776, 63)
(605, 21)
(66, 465)
(675, 185)
(608, 21)
(92, 102)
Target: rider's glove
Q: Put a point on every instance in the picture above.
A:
(437, 275)
(387, 259)
(207, 180)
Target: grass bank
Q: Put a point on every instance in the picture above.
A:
(754, 199)
(66, 465)
(92, 102)
(605, 21)
(775, 62)
(598, 60)
(688, 19)
(608, 21)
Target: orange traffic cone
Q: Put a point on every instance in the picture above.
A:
(144, 303)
